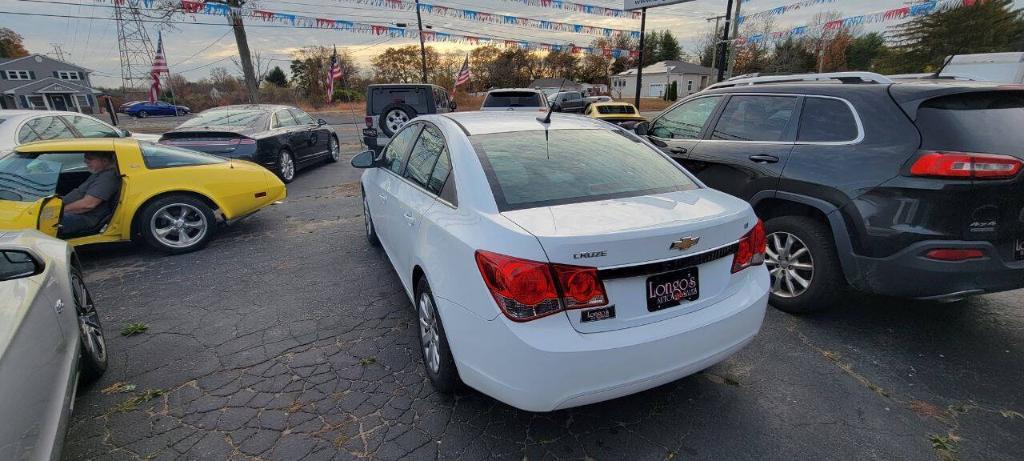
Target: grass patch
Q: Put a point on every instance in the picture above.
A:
(134, 402)
(133, 329)
(945, 445)
(1011, 414)
(119, 387)
(367, 361)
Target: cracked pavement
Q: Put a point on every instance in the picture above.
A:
(289, 338)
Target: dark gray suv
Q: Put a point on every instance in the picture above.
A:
(390, 106)
(909, 188)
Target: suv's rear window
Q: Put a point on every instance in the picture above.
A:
(532, 168)
(988, 122)
(383, 97)
(623, 109)
(513, 99)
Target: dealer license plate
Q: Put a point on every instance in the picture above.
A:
(672, 289)
(1018, 249)
(369, 132)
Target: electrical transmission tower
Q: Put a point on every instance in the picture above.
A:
(135, 47)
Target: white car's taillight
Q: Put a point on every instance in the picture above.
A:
(751, 249)
(527, 290)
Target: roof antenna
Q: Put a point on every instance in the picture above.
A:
(943, 67)
(546, 119)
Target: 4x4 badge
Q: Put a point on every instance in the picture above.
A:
(684, 243)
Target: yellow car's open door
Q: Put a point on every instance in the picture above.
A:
(49, 215)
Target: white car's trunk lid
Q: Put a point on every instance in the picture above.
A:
(632, 239)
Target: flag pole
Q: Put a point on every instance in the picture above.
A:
(170, 87)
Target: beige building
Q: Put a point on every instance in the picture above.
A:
(690, 78)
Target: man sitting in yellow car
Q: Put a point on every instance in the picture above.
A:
(91, 202)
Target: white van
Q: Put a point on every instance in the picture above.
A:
(988, 67)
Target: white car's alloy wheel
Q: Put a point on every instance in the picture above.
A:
(429, 338)
(88, 322)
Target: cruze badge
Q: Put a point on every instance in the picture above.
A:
(684, 243)
(589, 254)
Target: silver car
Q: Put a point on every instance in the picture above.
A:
(22, 126)
(50, 337)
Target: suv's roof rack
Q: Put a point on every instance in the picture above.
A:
(845, 77)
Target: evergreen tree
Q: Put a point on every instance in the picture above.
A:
(668, 48)
(791, 57)
(276, 77)
(864, 50)
(977, 27)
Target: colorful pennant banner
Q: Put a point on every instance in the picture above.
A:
(783, 9)
(494, 18)
(894, 14)
(307, 22)
(579, 8)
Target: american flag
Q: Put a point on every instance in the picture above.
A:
(464, 74)
(333, 73)
(159, 66)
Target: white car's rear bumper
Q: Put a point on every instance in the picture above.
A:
(546, 365)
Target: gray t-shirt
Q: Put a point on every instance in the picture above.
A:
(103, 185)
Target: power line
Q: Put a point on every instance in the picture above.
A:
(183, 61)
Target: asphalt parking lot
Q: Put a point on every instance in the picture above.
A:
(289, 337)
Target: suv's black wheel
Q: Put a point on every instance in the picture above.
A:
(437, 357)
(804, 267)
(371, 230)
(93, 360)
(394, 116)
(177, 223)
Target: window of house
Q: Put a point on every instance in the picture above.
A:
(68, 75)
(36, 102)
(19, 75)
(83, 100)
(689, 85)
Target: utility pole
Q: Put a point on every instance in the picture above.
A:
(640, 61)
(242, 42)
(714, 49)
(735, 33)
(423, 49)
(722, 57)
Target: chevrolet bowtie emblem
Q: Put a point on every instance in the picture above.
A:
(684, 243)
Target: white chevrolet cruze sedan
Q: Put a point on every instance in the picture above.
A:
(564, 263)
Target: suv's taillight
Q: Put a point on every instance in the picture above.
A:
(527, 290)
(965, 165)
(751, 249)
(369, 121)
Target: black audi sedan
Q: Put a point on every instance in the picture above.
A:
(281, 138)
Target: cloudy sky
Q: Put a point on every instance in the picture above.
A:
(89, 38)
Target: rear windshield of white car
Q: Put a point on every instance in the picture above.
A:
(513, 99)
(528, 169)
(222, 118)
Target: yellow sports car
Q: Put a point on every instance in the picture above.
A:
(614, 112)
(171, 198)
